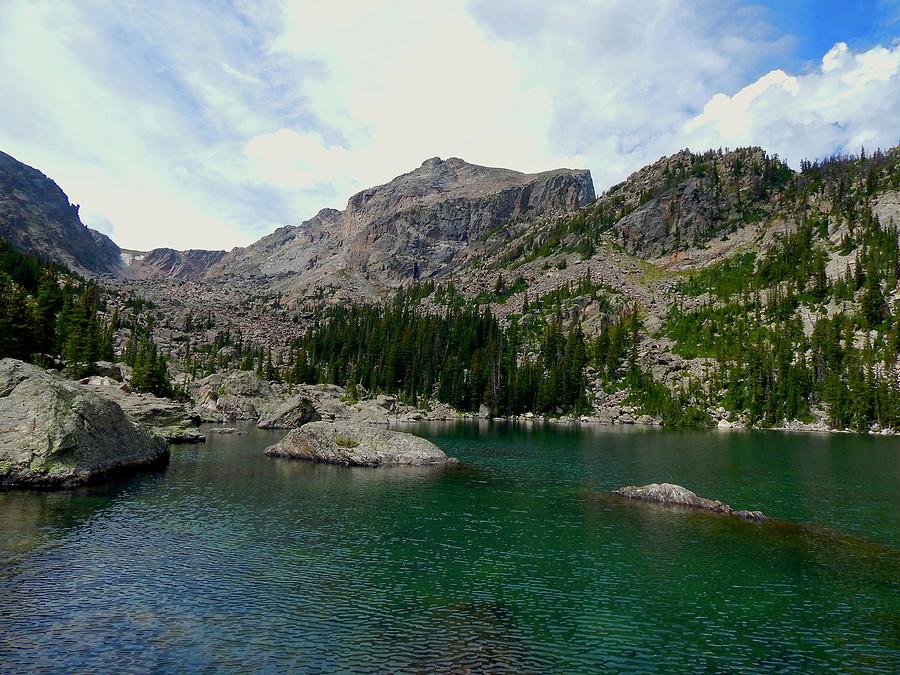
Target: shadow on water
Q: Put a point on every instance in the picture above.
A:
(32, 518)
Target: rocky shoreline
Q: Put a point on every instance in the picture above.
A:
(148, 422)
(58, 433)
(241, 395)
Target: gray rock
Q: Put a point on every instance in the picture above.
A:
(37, 218)
(357, 445)
(235, 394)
(57, 433)
(389, 403)
(292, 414)
(226, 431)
(370, 411)
(205, 414)
(415, 226)
(110, 370)
(167, 418)
(168, 263)
(659, 216)
(676, 495)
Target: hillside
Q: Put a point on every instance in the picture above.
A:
(37, 218)
(714, 288)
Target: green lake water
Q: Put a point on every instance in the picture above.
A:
(515, 561)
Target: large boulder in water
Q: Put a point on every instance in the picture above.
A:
(57, 433)
(292, 414)
(676, 495)
(233, 394)
(355, 444)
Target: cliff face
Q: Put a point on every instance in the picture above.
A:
(683, 200)
(167, 263)
(37, 218)
(414, 226)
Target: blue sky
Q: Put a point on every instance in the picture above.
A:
(210, 123)
(818, 24)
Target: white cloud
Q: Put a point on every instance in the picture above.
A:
(851, 100)
(186, 125)
(297, 161)
(409, 80)
(625, 74)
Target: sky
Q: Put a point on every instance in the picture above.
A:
(209, 123)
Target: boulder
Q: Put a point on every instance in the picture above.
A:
(57, 433)
(389, 403)
(226, 431)
(234, 407)
(292, 414)
(356, 444)
(370, 411)
(234, 394)
(109, 369)
(676, 495)
(167, 418)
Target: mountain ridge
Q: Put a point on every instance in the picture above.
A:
(717, 287)
(36, 217)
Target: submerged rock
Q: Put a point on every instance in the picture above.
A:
(57, 433)
(354, 444)
(676, 495)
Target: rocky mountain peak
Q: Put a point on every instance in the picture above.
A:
(414, 226)
(36, 217)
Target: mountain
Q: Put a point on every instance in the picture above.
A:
(683, 200)
(167, 263)
(717, 287)
(37, 218)
(419, 225)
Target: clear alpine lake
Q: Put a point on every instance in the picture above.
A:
(516, 560)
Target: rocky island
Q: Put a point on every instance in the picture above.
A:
(354, 444)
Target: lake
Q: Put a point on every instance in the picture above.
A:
(514, 561)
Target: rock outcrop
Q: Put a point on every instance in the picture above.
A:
(57, 433)
(226, 431)
(676, 495)
(683, 200)
(292, 414)
(233, 395)
(415, 225)
(164, 417)
(167, 263)
(354, 444)
(37, 218)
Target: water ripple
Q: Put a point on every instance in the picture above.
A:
(231, 561)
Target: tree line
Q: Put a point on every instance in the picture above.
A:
(47, 314)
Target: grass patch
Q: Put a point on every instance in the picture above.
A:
(345, 441)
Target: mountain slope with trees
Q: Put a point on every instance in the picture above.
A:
(720, 287)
